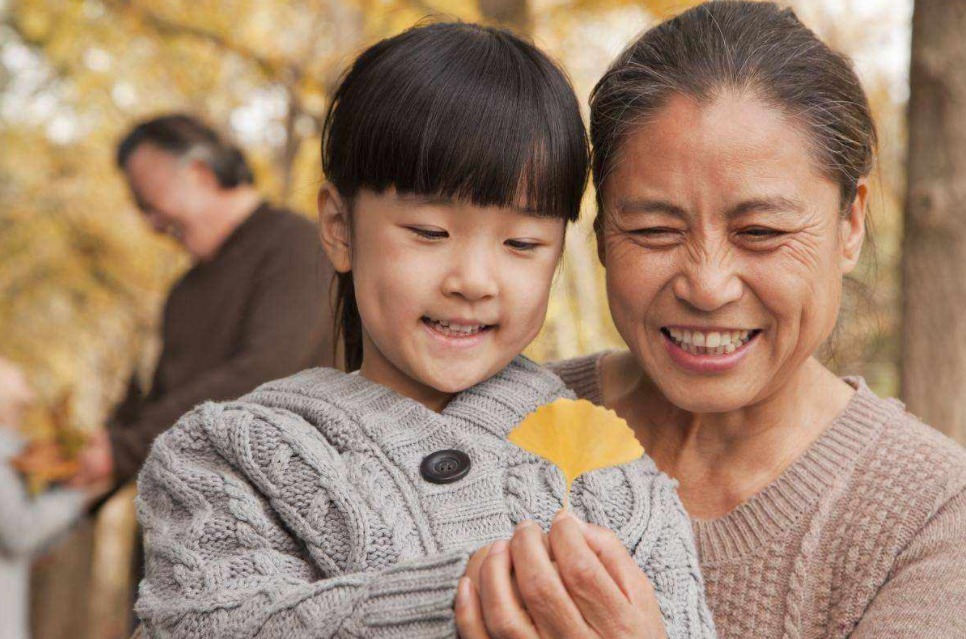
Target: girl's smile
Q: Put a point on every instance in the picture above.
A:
(458, 333)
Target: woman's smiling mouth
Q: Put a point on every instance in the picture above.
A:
(710, 342)
(708, 350)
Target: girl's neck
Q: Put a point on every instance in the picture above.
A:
(723, 459)
(376, 368)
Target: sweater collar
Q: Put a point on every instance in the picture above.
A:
(824, 467)
(495, 405)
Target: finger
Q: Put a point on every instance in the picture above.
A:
(621, 566)
(544, 595)
(469, 614)
(503, 610)
(475, 562)
(594, 591)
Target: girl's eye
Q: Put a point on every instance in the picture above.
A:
(428, 234)
(521, 245)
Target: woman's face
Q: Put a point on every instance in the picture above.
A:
(725, 248)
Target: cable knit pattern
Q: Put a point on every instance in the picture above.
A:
(863, 536)
(299, 510)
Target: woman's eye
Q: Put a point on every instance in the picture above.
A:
(657, 235)
(521, 245)
(760, 233)
(428, 234)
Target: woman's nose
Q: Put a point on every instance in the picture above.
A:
(708, 284)
(472, 276)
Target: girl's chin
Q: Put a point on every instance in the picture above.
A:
(453, 381)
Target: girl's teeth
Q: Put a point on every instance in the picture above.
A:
(456, 329)
(711, 342)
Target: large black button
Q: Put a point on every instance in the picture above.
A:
(445, 466)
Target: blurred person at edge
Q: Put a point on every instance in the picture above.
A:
(253, 307)
(27, 524)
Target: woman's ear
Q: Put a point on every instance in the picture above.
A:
(852, 227)
(334, 227)
(599, 238)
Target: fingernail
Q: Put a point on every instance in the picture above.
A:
(499, 546)
(563, 513)
(526, 523)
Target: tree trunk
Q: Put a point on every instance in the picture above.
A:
(513, 14)
(934, 245)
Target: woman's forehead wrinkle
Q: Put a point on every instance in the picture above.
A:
(777, 205)
(647, 205)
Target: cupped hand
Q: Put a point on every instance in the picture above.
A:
(577, 582)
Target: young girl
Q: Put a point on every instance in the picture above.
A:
(332, 504)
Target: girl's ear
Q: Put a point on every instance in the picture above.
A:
(334, 227)
(852, 227)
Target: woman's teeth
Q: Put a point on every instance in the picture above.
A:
(456, 330)
(711, 342)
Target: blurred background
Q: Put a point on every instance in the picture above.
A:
(82, 278)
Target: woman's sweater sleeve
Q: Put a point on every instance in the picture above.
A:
(669, 558)
(27, 523)
(925, 595)
(220, 563)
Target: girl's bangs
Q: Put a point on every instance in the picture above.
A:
(482, 120)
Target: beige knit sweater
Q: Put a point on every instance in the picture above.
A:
(864, 536)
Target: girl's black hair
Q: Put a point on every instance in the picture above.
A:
(457, 111)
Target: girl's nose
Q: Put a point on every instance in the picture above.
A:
(708, 284)
(472, 277)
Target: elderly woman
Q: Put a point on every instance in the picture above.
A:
(732, 153)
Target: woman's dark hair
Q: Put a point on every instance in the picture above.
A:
(457, 111)
(180, 135)
(727, 45)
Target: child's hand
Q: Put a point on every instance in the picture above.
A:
(42, 463)
(593, 590)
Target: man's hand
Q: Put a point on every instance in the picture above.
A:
(96, 462)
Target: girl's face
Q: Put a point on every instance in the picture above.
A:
(725, 249)
(449, 293)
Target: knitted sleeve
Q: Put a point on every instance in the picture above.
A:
(925, 595)
(220, 562)
(669, 558)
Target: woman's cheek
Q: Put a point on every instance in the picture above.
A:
(633, 283)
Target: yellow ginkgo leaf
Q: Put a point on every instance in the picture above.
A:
(577, 437)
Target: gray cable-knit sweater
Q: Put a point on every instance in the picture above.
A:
(300, 510)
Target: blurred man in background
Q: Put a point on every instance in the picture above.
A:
(254, 306)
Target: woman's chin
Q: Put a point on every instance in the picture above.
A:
(703, 395)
